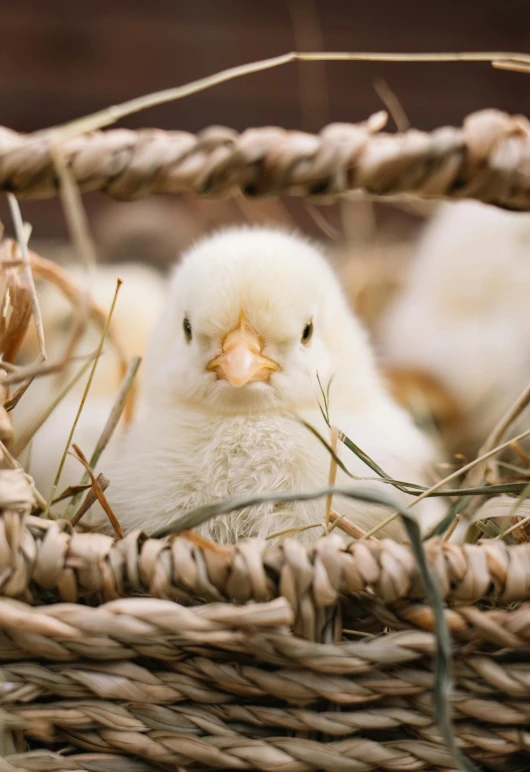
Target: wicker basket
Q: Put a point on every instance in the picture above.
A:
(148, 654)
(106, 650)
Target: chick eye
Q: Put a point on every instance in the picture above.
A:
(186, 326)
(307, 333)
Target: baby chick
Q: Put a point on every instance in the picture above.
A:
(463, 316)
(136, 312)
(135, 315)
(254, 319)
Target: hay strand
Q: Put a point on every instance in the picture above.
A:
(23, 246)
(108, 429)
(83, 398)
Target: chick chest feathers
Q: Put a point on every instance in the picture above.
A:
(200, 460)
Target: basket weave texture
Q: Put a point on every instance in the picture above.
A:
(488, 159)
(149, 654)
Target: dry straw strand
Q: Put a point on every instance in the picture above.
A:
(26, 437)
(90, 498)
(98, 492)
(110, 426)
(23, 246)
(498, 432)
(116, 112)
(452, 476)
(83, 398)
(80, 235)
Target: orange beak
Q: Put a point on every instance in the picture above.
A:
(241, 361)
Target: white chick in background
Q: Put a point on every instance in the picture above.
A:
(253, 314)
(136, 312)
(464, 317)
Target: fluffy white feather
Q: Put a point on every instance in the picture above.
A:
(463, 316)
(200, 439)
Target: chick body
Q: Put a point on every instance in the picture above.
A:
(199, 438)
(463, 316)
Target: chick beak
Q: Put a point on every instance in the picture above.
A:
(241, 361)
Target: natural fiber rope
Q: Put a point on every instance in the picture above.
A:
(166, 631)
(47, 761)
(506, 628)
(232, 750)
(48, 557)
(487, 159)
(490, 691)
(43, 721)
(204, 734)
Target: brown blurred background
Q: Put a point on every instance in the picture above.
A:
(61, 59)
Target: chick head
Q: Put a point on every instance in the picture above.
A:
(255, 318)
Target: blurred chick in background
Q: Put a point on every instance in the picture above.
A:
(253, 315)
(137, 309)
(462, 321)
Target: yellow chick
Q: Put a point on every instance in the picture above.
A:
(463, 317)
(135, 315)
(254, 318)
